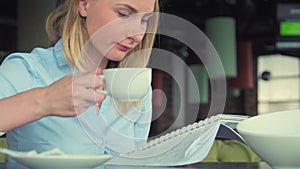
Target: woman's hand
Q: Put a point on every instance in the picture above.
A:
(72, 95)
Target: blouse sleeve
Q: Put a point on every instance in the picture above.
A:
(15, 76)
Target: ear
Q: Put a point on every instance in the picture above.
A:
(82, 7)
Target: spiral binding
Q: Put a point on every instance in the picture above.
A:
(178, 132)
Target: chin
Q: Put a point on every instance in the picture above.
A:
(116, 56)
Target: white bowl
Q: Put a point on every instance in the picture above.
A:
(275, 137)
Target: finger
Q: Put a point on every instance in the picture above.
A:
(99, 82)
(98, 71)
(88, 80)
(99, 97)
(97, 106)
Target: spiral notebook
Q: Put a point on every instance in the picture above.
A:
(187, 145)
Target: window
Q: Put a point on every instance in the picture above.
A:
(278, 83)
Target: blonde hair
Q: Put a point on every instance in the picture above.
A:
(66, 23)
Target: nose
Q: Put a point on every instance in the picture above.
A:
(134, 39)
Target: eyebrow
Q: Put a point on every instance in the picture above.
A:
(130, 7)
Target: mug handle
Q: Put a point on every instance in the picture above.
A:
(99, 90)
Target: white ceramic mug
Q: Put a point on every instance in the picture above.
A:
(127, 84)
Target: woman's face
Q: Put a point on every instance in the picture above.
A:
(116, 26)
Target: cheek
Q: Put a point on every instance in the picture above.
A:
(94, 23)
(96, 19)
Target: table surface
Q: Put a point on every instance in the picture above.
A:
(228, 165)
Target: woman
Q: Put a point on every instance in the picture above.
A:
(37, 88)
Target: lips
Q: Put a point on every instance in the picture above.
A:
(123, 47)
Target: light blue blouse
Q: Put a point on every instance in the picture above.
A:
(105, 132)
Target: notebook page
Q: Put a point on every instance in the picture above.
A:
(187, 145)
(232, 120)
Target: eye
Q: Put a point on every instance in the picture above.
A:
(123, 14)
